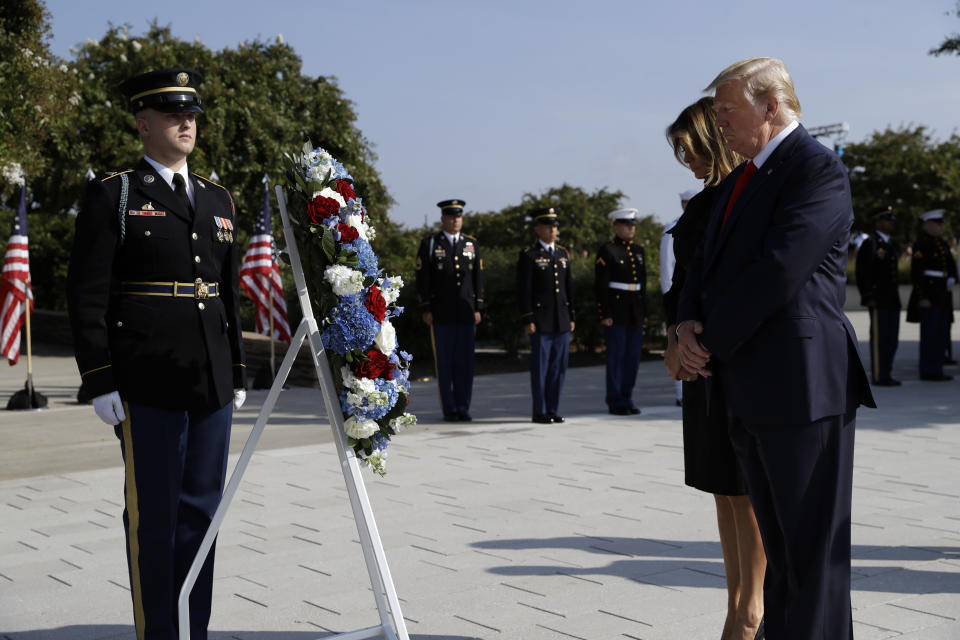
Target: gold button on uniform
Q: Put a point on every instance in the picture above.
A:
(194, 235)
(147, 233)
(201, 306)
(196, 258)
(119, 323)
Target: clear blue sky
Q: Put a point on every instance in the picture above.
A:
(486, 100)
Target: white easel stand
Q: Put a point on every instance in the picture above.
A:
(392, 625)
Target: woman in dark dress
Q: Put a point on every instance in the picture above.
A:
(709, 461)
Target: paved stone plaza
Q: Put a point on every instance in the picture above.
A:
(495, 529)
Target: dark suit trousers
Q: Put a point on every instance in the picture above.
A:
(800, 479)
(884, 336)
(454, 344)
(934, 337)
(175, 466)
(549, 354)
(624, 351)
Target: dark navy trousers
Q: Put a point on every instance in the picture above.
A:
(934, 335)
(175, 464)
(800, 478)
(624, 351)
(454, 344)
(549, 354)
(884, 337)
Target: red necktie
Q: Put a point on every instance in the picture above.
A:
(738, 188)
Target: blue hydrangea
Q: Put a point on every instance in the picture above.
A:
(351, 326)
(402, 376)
(367, 258)
(378, 441)
(370, 411)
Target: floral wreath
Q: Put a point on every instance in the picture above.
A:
(355, 301)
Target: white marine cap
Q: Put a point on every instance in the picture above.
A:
(624, 215)
(935, 214)
(688, 194)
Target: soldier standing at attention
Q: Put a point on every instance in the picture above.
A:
(450, 288)
(153, 298)
(620, 279)
(931, 303)
(545, 293)
(877, 280)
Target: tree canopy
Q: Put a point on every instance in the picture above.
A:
(907, 170)
(951, 43)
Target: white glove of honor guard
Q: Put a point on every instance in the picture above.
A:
(109, 408)
(239, 397)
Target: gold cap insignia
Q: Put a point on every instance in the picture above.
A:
(182, 79)
(148, 178)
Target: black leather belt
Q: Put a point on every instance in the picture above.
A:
(196, 289)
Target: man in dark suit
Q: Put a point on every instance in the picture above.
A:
(545, 294)
(152, 290)
(933, 271)
(878, 281)
(762, 311)
(450, 288)
(620, 283)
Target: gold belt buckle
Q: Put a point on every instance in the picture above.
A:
(201, 289)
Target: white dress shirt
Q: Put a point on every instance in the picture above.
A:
(167, 174)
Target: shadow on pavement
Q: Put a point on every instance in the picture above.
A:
(658, 567)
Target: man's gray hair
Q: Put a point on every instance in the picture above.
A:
(762, 77)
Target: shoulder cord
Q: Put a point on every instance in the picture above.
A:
(124, 191)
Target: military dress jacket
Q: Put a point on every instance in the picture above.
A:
(181, 352)
(876, 272)
(450, 278)
(624, 264)
(930, 267)
(545, 288)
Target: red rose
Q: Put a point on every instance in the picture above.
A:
(375, 303)
(376, 366)
(345, 189)
(321, 208)
(348, 234)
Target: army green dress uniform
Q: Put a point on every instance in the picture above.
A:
(932, 267)
(450, 286)
(620, 284)
(545, 296)
(878, 282)
(153, 297)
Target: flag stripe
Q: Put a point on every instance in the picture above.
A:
(259, 274)
(15, 287)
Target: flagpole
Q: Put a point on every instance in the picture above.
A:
(29, 355)
(273, 365)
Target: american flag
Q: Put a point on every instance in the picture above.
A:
(259, 272)
(15, 284)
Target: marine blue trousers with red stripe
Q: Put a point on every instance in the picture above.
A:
(175, 464)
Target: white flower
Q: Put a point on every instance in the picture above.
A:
(403, 422)
(279, 38)
(344, 280)
(386, 340)
(136, 45)
(361, 428)
(74, 99)
(123, 57)
(13, 173)
(392, 293)
(377, 461)
(63, 68)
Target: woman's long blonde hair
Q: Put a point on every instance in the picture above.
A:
(695, 131)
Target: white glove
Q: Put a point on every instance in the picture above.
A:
(239, 397)
(109, 408)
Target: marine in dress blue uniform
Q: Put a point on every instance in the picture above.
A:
(152, 290)
(545, 294)
(878, 282)
(932, 270)
(450, 287)
(620, 278)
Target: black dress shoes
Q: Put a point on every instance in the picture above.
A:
(621, 411)
(888, 382)
(463, 416)
(451, 417)
(941, 377)
(541, 418)
(634, 411)
(555, 418)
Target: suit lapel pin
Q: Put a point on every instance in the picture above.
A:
(148, 179)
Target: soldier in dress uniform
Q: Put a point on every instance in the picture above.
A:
(620, 280)
(878, 282)
(931, 302)
(450, 288)
(545, 294)
(153, 299)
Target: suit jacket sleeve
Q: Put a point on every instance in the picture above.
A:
(810, 213)
(525, 287)
(230, 278)
(88, 286)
